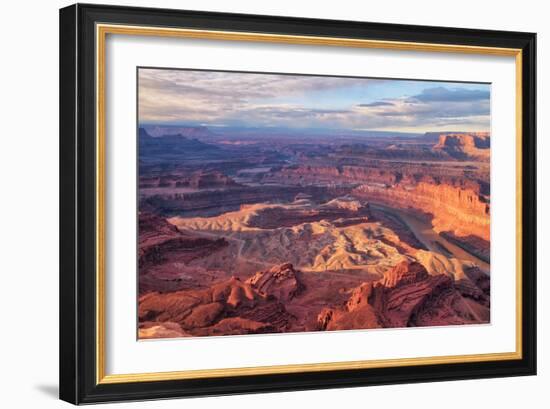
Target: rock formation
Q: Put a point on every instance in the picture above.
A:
(408, 296)
(280, 282)
(257, 231)
(160, 245)
(226, 307)
(458, 210)
(465, 145)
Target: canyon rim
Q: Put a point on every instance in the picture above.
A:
(273, 203)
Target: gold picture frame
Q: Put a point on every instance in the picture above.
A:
(102, 22)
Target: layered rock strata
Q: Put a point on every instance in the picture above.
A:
(407, 296)
(460, 211)
(227, 307)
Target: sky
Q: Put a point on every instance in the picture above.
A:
(218, 99)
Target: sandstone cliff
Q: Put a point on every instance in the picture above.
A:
(475, 145)
(461, 211)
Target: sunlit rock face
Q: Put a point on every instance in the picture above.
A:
(475, 145)
(462, 211)
(408, 296)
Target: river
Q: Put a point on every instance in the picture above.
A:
(426, 235)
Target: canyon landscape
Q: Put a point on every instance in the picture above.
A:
(273, 203)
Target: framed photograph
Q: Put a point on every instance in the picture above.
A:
(257, 203)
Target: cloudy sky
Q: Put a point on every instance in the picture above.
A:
(256, 100)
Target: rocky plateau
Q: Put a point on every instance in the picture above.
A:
(243, 234)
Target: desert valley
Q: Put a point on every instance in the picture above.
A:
(269, 230)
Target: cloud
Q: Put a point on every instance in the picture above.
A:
(377, 104)
(433, 108)
(442, 94)
(192, 95)
(247, 99)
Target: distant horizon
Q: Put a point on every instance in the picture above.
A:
(214, 128)
(216, 99)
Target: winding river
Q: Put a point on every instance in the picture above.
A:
(427, 236)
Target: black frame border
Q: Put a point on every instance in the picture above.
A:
(78, 204)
